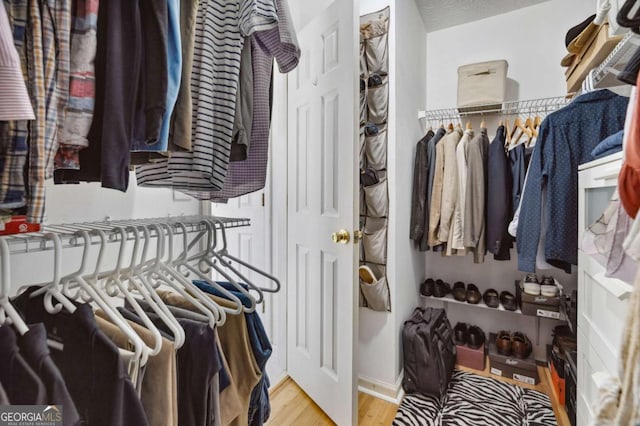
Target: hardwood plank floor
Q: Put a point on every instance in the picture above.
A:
(291, 406)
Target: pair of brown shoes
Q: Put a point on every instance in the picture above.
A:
(517, 344)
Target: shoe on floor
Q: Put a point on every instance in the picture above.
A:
(367, 275)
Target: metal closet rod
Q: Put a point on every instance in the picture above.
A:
(541, 105)
(35, 241)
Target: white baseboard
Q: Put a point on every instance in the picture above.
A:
(390, 393)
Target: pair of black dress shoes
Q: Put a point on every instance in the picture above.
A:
(493, 300)
(470, 294)
(470, 335)
(435, 288)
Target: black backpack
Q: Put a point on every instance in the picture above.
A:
(429, 352)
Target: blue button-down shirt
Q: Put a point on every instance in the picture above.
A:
(566, 139)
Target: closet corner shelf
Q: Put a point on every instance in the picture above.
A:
(449, 299)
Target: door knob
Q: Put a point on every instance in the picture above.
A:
(340, 237)
(357, 236)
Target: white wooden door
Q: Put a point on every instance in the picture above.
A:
(322, 199)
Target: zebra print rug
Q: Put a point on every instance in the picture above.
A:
(476, 400)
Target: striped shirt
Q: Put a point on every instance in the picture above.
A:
(220, 30)
(249, 175)
(14, 98)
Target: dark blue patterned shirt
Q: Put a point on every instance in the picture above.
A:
(566, 139)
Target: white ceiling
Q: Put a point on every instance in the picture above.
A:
(439, 14)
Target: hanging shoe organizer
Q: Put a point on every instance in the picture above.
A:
(374, 194)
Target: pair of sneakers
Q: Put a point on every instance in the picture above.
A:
(546, 287)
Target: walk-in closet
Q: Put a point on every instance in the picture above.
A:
(290, 212)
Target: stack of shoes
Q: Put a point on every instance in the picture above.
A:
(472, 336)
(516, 344)
(546, 287)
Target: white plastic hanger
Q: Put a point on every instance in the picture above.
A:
(112, 282)
(90, 286)
(145, 289)
(223, 253)
(52, 289)
(205, 264)
(181, 261)
(160, 271)
(8, 314)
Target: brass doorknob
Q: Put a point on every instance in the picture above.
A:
(357, 236)
(340, 237)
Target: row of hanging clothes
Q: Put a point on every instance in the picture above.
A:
(466, 189)
(181, 90)
(153, 341)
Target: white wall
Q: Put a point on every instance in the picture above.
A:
(410, 74)
(530, 39)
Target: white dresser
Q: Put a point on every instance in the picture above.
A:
(602, 302)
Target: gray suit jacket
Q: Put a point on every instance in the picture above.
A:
(475, 198)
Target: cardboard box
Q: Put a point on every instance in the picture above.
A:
(539, 306)
(522, 370)
(596, 52)
(471, 358)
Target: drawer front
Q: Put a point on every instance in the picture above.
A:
(589, 363)
(602, 309)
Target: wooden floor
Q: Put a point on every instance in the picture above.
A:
(291, 406)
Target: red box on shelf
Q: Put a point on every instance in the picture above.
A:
(18, 225)
(472, 358)
(558, 383)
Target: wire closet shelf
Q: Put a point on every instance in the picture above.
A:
(69, 232)
(531, 106)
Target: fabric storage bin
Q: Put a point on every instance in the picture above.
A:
(363, 106)
(363, 203)
(374, 241)
(483, 83)
(377, 54)
(376, 295)
(378, 102)
(376, 150)
(376, 199)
